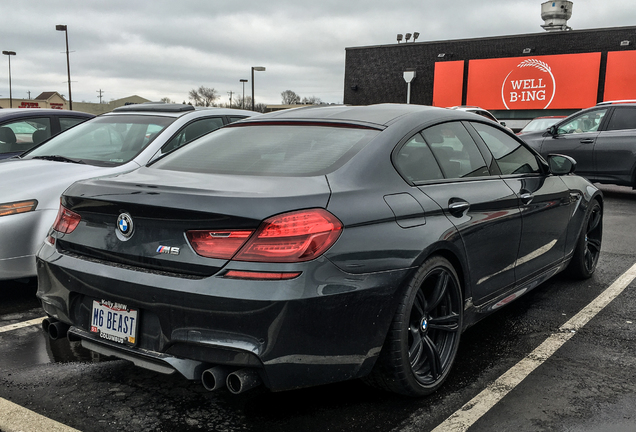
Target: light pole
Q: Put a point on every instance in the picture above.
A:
(255, 68)
(243, 81)
(9, 54)
(60, 27)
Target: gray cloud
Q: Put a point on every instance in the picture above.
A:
(164, 48)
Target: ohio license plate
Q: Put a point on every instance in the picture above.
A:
(114, 322)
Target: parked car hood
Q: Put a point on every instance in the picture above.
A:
(45, 180)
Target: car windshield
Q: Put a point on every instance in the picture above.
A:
(270, 150)
(540, 124)
(108, 140)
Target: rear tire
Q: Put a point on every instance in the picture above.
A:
(422, 342)
(588, 245)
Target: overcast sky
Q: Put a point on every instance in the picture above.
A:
(164, 48)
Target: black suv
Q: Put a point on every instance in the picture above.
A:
(601, 139)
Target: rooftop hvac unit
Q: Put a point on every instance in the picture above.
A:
(556, 15)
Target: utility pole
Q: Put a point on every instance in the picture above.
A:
(101, 92)
(29, 93)
(230, 93)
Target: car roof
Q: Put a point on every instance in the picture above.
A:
(380, 115)
(631, 102)
(10, 113)
(175, 110)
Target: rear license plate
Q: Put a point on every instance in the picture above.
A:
(114, 322)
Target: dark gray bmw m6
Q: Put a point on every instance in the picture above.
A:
(315, 245)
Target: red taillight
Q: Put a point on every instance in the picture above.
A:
(240, 274)
(66, 220)
(217, 244)
(292, 237)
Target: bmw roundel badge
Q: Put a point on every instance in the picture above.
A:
(125, 225)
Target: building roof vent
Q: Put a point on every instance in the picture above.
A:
(556, 15)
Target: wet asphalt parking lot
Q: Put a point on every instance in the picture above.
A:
(588, 384)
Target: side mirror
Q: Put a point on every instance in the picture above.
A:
(502, 123)
(561, 164)
(552, 130)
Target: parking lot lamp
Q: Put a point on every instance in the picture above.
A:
(9, 54)
(60, 27)
(243, 81)
(255, 68)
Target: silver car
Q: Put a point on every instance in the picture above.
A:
(113, 143)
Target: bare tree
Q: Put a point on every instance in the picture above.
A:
(166, 100)
(313, 100)
(289, 97)
(203, 96)
(259, 107)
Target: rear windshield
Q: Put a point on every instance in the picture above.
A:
(108, 140)
(270, 150)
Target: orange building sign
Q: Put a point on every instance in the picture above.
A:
(620, 77)
(448, 83)
(521, 83)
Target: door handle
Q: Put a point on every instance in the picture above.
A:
(587, 141)
(457, 208)
(526, 197)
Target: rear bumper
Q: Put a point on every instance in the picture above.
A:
(324, 326)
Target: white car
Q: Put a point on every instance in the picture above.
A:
(480, 111)
(113, 143)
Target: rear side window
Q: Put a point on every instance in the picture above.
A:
(416, 162)
(455, 151)
(623, 118)
(511, 156)
(270, 150)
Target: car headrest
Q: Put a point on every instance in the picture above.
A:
(7, 136)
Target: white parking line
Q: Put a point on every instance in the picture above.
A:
(21, 324)
(14, 418)
(473, 410)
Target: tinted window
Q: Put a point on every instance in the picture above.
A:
(270, 150)
(623, 118)
(69, 122)
(511, 156)
(21, 135)
(586, 122)
(455, 150)
(193, 131)
(416, 162)
(109, 139)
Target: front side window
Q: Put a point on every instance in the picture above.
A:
(270, 150)
(511, 156)
(21, 135)
(69, 122)
(586, 122)
(191, 132)
(455, 150)
(110, 140)
(623, 118)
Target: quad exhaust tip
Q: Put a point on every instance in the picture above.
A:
(214, 378)
(236, 381)
(55, 329)
(242, 380)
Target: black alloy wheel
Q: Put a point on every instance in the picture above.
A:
(588, 246)
(423, 339)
